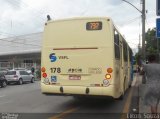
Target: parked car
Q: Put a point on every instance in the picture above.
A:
(3, 71)
(19, 76)
(3, 81)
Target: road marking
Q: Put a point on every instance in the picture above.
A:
(127, 105)
(128, 102)
(63, 114)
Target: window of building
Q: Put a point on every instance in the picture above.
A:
(28, 61)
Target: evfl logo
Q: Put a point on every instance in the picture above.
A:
(52, 57)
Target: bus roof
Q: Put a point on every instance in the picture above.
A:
(89, 18)
(79, 18)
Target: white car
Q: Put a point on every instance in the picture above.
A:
(19, 76)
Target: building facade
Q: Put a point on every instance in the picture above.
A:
(21, 51)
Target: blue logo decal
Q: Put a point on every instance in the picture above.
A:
(53, 57)
(53, 78)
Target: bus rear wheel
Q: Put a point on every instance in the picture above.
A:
(122, 96)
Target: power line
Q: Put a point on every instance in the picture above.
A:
(7, 33)
(13, 36)
(23, 6)
(35, 11)
(37, 14)
(20, 43)
(130, 21)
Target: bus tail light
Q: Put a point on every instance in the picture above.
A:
(44, 75)
(108, 76)
(15, 76)
(109, 70)
(43, 69)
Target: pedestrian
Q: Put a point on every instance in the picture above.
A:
(151, 77)
(138, 69)
(33, 70)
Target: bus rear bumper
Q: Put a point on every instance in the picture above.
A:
(79, 90)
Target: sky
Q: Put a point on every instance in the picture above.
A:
(19, 17)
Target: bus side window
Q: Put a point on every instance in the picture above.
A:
(130, 54)
(125, 55)
(116, 45)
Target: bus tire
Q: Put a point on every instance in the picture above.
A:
(122, 96)
(4, 84)
(20, 82)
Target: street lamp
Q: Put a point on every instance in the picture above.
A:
(143, 25)
(132, 6)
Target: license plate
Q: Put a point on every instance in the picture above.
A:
(74, 77)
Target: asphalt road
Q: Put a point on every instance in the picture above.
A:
(27, 100)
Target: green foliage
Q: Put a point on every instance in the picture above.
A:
(151, 46)
(138, 58)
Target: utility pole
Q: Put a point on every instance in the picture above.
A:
(143, 30)
(143, 12)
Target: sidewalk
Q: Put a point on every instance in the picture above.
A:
(141, 90)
